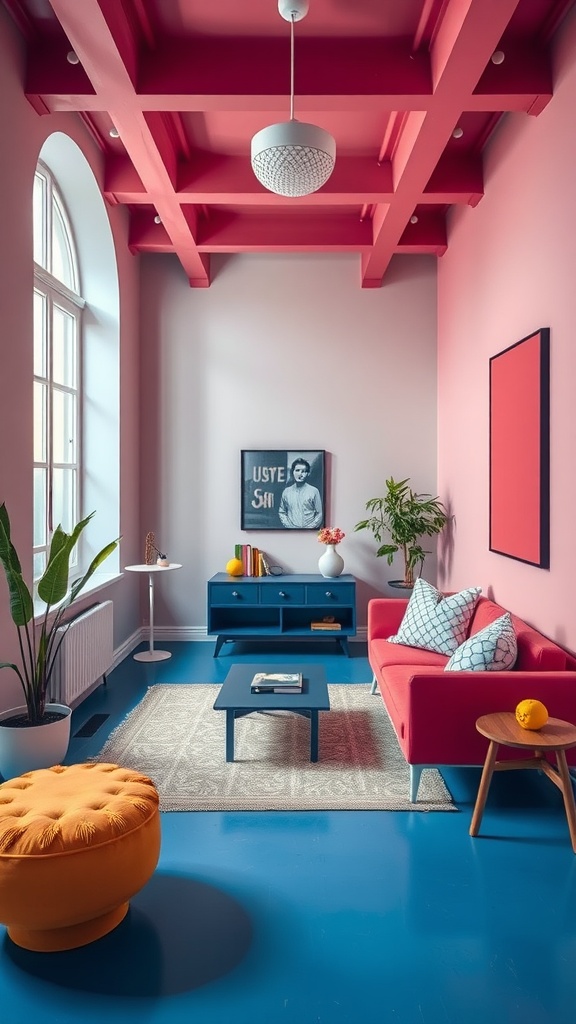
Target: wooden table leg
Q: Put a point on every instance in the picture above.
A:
(568, 794)
(487, 772)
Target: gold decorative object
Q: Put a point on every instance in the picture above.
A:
(149, 553)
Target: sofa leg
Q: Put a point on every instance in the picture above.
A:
(374, 684)
(415, 774)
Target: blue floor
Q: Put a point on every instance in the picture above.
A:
(323, 917)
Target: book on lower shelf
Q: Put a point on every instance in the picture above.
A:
(326, 625)
(277, 682)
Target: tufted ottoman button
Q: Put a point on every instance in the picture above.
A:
(76, 843)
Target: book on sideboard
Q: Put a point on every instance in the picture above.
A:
(277, 682)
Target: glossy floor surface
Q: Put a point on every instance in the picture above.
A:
(323, 917)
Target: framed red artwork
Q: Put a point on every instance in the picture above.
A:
(520, 450)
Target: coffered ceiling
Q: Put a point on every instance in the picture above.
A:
(411, 90)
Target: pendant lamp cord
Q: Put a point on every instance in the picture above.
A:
(292, 66)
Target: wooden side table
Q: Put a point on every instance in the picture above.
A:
(556, 735)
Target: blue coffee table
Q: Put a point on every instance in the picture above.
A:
(236, 699)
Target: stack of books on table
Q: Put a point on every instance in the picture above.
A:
(277, 682)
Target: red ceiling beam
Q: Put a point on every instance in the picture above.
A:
(355, 84)
(469, 34)
(102, 38)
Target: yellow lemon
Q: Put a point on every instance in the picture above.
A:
(234, 567)
(531, 714)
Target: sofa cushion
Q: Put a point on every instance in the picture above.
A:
(535, 651)
(382, 654)
(492, 649)
(434, 622)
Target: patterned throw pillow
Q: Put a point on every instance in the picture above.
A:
(434, 622)
(490, 650)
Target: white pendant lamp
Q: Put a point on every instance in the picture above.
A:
(293, 158)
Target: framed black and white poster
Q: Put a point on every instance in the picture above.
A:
(282, 490)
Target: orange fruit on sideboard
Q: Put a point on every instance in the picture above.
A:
(234, 567)
(531, 714)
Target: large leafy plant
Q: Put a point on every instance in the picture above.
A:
(405, 517)
(39, 641)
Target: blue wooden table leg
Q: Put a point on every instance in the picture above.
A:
(313, 735)
(230, 715)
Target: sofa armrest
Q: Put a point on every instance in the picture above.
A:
(384, 616)
(434, 713)
(445, 706)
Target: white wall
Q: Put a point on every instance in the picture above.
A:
(280, 352)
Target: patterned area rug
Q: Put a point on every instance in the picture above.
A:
(176, 738)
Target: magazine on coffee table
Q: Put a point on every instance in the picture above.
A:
(277, 682)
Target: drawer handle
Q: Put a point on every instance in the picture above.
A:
(281, 593)
(235, 593)
(329, 593)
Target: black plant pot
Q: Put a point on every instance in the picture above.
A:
(400, 585)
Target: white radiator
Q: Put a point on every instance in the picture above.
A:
(85, 654)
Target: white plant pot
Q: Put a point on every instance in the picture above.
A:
(34, 746)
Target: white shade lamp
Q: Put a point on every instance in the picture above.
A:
(293, 158)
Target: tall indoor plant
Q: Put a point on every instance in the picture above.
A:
(405, 517)
(39, 641)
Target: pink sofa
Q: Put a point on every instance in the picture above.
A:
(434, 712)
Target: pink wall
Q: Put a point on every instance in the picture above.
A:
(509, 270)
(23, 133)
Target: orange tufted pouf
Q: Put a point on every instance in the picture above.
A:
(76, 843)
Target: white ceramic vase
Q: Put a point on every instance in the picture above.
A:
(34, 746)
(330, 563)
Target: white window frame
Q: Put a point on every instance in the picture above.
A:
(56, 294)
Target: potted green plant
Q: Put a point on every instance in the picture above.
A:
(39, 641)
(406, 517)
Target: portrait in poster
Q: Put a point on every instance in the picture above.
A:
(282, 489)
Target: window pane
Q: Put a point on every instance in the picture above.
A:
(39, 564)
(39, 334)
(64, 498)
(40, 395)
(39, 208)
(63, 347)
(63, 427)
(62, 266)
(40, 476)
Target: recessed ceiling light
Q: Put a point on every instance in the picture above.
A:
(498, 57)
(72, 57)
(114, 133)
(458, 132)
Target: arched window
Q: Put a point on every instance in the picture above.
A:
(76, 358)
(58, 307)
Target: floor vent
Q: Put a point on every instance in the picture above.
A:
(91, 726)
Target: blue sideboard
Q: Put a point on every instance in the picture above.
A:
(265, 607)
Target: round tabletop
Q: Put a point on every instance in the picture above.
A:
(502, 727)
(152, 568)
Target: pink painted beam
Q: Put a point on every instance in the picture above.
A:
(102, 38)
(468, 35)
(282, 233)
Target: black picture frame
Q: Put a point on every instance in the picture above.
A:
(266, 479)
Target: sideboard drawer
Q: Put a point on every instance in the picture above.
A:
(234, 593)
(283, 593)
(330, 593)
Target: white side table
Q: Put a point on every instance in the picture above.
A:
(151, 654)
